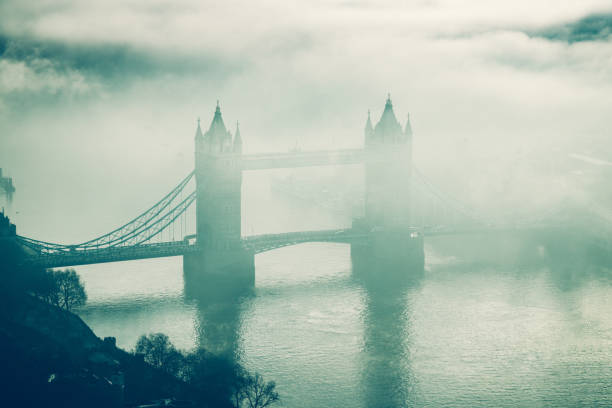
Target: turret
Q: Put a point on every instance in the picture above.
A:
(237, 148)
(200, 146)
(408, 129)
(369, 131)
(199, 138)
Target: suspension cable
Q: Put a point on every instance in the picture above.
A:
(119, 235)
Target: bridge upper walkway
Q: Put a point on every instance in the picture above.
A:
(302, 159)
(268, 242)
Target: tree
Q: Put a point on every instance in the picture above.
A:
(160, 352)
(61, 288)
(70, 290)
(254, 392)
(216, 381)
(214, 378)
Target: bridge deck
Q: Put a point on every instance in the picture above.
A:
(117, 254)
(256, 243)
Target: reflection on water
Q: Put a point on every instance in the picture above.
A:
(386, 376)
(218, 326)
(458, 335)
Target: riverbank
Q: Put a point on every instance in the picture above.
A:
(52, 358)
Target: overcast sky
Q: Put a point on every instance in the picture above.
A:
(105, 86)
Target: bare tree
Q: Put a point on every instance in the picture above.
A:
(217, 381)
(254, 392)
(62, 289)
(70, 290)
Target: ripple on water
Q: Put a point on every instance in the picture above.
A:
(463, 336)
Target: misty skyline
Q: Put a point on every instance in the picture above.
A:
(346, 203)
(499, 94)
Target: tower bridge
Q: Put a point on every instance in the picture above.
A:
(391, 230)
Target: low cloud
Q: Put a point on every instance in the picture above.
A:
(596, 27)
(489, 85)
(40, 70)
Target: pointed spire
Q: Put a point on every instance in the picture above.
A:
(217, 137)
(388, 103)
(388, 129)
(408, 128)
(217, 122)
(237, 148)
(368, 126)
(199, 134)
(369, 131)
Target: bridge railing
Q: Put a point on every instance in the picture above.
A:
(111, 254)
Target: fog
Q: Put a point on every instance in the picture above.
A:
(509, 102)
(510, 109)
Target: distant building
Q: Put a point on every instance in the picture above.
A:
(6, 183)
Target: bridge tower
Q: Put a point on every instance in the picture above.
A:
(218, 174)
(388, 170)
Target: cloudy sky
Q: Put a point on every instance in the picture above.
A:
(499, 92)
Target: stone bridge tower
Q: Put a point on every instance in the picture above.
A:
(393, 246)
(219, 181)
(388, 171)
(218, 174)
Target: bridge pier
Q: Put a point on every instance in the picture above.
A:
(221, 266)
(389, 254)
(219, 273)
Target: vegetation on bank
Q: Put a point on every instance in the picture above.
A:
(61, 288)
(51, 358)
(217, 380)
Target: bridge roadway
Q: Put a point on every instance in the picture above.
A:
(255, 243)
(112, 254)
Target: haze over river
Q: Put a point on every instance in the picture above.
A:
(462, 334)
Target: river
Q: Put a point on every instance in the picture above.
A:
(461, 334)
